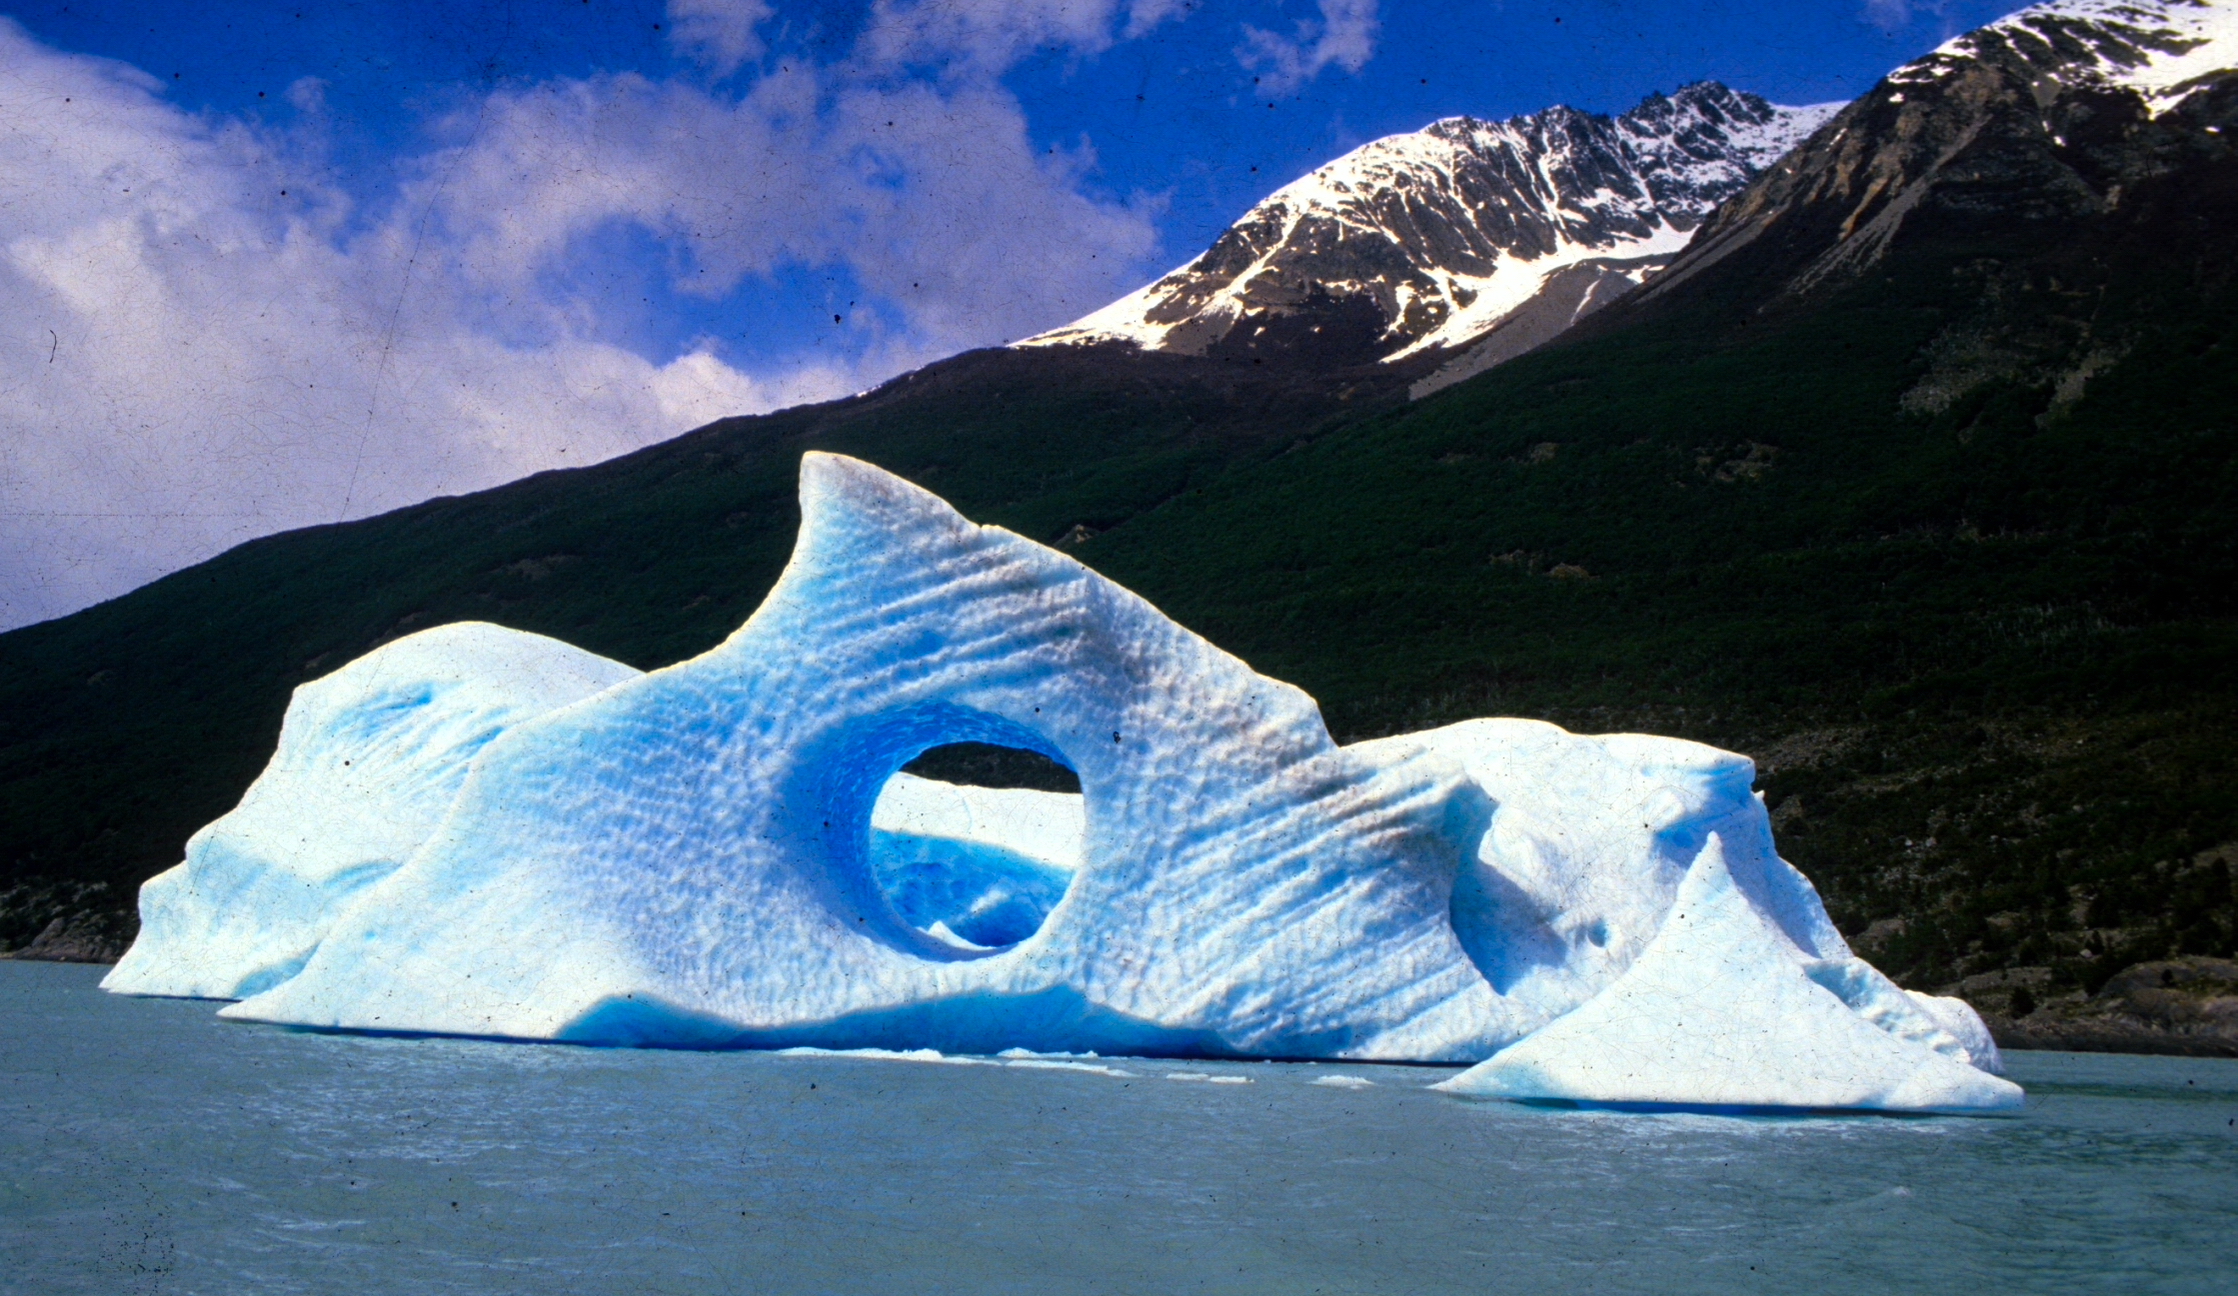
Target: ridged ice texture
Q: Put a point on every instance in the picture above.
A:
(369, 760)
(1725, 1010)
(1576, 849)
(683, 859)
(1445, 232)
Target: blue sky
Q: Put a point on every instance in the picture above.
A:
(272, 264)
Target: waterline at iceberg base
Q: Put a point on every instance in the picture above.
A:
(478, 831)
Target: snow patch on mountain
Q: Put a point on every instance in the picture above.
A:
(1513, 283)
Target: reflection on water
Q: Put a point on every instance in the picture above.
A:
(147, 1146)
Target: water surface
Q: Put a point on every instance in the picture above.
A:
(146, 1146)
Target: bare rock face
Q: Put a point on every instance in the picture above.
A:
(1419, 244)
(60, 921)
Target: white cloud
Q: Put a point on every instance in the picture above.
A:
(1345, 36)
(219, 362)
(1888, 15)
(986, 37)
(202, 341)
(721, 35)
(935, 198)
(308, 94)
(1893, 16)
(696, 388)
(954, 215)
(1142, 15)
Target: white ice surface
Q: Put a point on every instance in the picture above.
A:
(1965, 1028)
(1588, 839)
(1724, 1010)
(370, 758)
(1586, 842)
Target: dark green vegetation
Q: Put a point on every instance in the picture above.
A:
(1946, 541)
(1938, 523)
(1985, 657)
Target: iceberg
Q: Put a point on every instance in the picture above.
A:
(725, 853)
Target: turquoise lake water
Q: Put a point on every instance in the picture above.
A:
(146, 1146)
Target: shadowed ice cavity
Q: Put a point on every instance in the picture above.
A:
(702, 856)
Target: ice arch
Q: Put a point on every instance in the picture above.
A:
(679, 860)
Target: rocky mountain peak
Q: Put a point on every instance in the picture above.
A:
(1418, 244)
(2043, 169)
(2052, 113)
(2164, 50)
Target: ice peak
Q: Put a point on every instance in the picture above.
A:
(841, 495)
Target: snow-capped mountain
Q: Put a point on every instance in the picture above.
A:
(1421, 243)
(2162, 49)
(2056, 112)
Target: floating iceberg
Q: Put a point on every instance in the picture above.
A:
(684, 858)
(723, 853)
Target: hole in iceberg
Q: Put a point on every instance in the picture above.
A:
(974, 843)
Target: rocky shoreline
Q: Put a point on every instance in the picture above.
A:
(72, 940)
(2185, 1006)
(65, 922)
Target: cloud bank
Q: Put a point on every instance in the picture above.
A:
(206, 339)
(209, 331)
